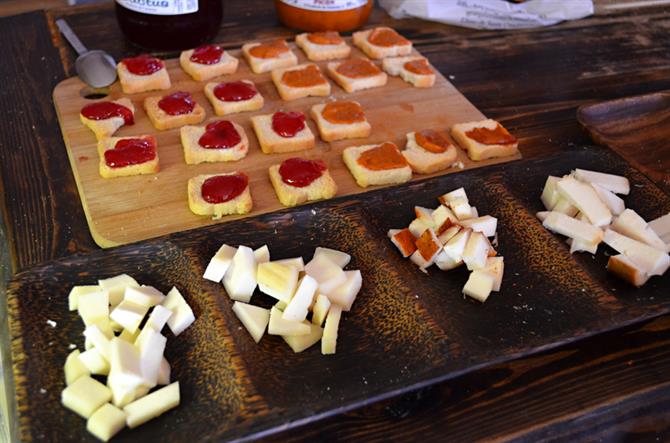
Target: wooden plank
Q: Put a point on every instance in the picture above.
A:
(129, 209)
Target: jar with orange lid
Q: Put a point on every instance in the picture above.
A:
(324, 15)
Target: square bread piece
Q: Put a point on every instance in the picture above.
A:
(194, 153)
(133, 83)
(382, 42)
(300, 81)
(150, 166)
(414, 70)
(227, 64)
(356, 74)
(240, 204)
(400, 172)
(162, 120)
(425, 161)
(107, 127)
(480, 151)
(323, 187)
(331, 131)
(320, 46)
(264, 57)
(223, 107)
(272, 143)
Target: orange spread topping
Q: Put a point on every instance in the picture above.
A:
(343, 113)
(386, 37)
(448, 223)
(427, 245)
(357, 68)
(325, 38)
(382, 157)
(496, 136)
(432, 141)
(419, 66)
(269, 50)
(405, 241)
(303, 78)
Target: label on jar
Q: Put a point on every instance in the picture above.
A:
(160, 7)
(326, 5)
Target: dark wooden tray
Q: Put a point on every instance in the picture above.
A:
(407, 329)
(638, 128)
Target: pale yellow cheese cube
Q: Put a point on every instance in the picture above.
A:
(93, 306)
(76, 291)
(85, 395)
(345, 294)
(301, 342)
(74, 368)
(151, 406)
(106, 422)
(340, 258)
(164, 373)
(329, 338)
(116, 287)
(94, 362)
(144, 295)
(129, 314)
(254, 318)
(280, 326)
(277, 280)
(182, 315)
(128, 336)
(327, 273)
(479, 285)
(320, 309)
(262, 254)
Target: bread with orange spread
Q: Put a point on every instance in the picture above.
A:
(399, 173)
(322, 188)
(161, 120)
(109, 144)
(222, 107)
(242, 204)
(328, 50)
(367, 42)
(331, 131)
(133, 83)
(424, 161)
(480, 151)
(227, 64)
(300, 81)
(375, 77)
(271, 142)
(415, 70)
(107, 127)
(279, 57)
(195, 153)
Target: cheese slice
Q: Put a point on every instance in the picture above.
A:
(255, 319)
(151, 406)
(301, 342)
(661, 227)
(450, 196)
(262, 254)
(296, 262)
(345, 294)
(329, 338)
(93, 306)
(542, 215)
(340, 258)
(614, 183)
(626, 269)
(182, 315)
(461, 208)
(486, 224)
(144, 295)
(297, 308)
(630, 224)
(550, 193)
(106, 422)
(648, 259)
(441, 214)
(418, 226)
(277, 280)
(476, 251)
(116, 287)
(320, 309)
(455, 247)
(424, 214)
(327, 273)
(614, 203)
(85, 395)
(278, 325)
(582, 246)
(573, 228)
(74, 368)
(240, 278)
(76, 291)
(564, 206)
(585, 198)
(220, 263)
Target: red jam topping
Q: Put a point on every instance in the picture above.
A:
(177, 104)
(207, 54)
(288, 124)
(105, 110)
(131, 151)
(495, 136)
(220, 135)
(234, 91)
(223, 188)
(299, 172)
(142, 64)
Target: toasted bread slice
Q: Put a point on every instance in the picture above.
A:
(107, 127)
(479, 151)
(322, 188)
(271, 142)
(162, 120)
(320, 88)
(107, 168)
(320, 52)
(368, 43)
(194, 153)
(374, 79)
(133, 83)
(260, 65)
(338, 131)
(366, 177)
(227, 64)
(222, 107)
(413, 69)
(241, 204)
(423, 161)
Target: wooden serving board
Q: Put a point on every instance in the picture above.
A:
(128, 209)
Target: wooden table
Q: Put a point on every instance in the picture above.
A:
(612, 387)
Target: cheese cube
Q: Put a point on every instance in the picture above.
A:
(474, 213)
(74, 368)
(542, 215)
(297, 308)
(106, 422)
(404, 240)
(327, 274)
(144, 295)
(158, 317)
(648, 259)
(564, 206)
(584, 198)
(340, 258)
(418, 226)
(424, 214)
(487, 225)
(461, 208)
(164, 373)
(240, 279)
(151, 346)
(329, 338)
(450, 196)
(129, 315)
(581, 245)
(116, 287)
(441, 215)
(320, 309)
(476, 251)
(254, 319)
(125, 365)
(85, 395)
(550, 193)
(281, 305)
(428, 246)
(496, 267)
(220, 263)
(456, 246)
(613, 183)
(614, 203)
(280, 326)
(130, 337)
(573, 228)
(630, 224)
(661, 226)
(479, 285)
(99, 340)
(115, 326)
(445, 262)
(151, 406)
(76, 291)
(277, 280)
(626, 269)
(182, 316)
(94, 362)
(301, 342)
(262, 254)
(345, 294)
(93, 306)
(448, 234)
(296, 262)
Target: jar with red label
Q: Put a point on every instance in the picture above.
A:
(169, 24)
(324, 15)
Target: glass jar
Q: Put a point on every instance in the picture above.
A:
(324, 15)
(169, 24)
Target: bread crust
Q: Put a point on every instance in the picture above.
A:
(222, 108)
(355, 84)
(331, 132)
(478, 151)
(319, 53)
(133, 84)
(161, 120)
(289, 93)
(272, 143)
(106, 144)
(426, 162)
(322, 188)
(107, 127)
(242, 204)
(199, 72)
(195, 154)
(261, 65)
(365, 177)
(360, 39)
(396, 66)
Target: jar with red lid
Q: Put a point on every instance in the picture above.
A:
(324, 15)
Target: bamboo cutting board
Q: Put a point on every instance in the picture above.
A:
(129, 209)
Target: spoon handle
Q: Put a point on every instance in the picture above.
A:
(71, 37)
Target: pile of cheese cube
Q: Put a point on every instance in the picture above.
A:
(451, 235)
(127, 349)
(321, 287)
(584, 207)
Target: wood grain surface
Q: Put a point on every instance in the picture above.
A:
(129, 209)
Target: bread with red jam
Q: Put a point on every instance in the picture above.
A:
(219, 141)
(296, 134)
(142, 73)
(207, 61)
(106, 127)
(228, 197)
(233, 97)
(125, 156)
(173, 110)
(298, 180)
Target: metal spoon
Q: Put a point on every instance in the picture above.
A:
(96, 68)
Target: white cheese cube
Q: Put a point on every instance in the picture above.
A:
(661, 226)
(281, 305)
(650, 260)
(130, 337)
(74, 368)
(255, 319)
(476, 251)
(496, 267)
(320, 309)
(164, 373)
(441, 214)
(573, 228)
(550, 193)
(474, 213)
(424, 214)
(614, 183)
(144, 295)
(479, 285)
(158, 318)
(486, 224)
(564, 206)
(448, 234)
(262, 254)
(129, 315)
(219, 264)
(445, 262)
(116, 287)
(93, 306)
(125, 365)
(345, 294)
(99, 340)
(418, 226)
(584, 198)
(182, 315)
(581, 245)
(278, 325)
(85, 395)
(151, 406)
(151, 346)
(240, 279)
(299, 343)
(94, 362)
(329, 338)
(455, 247)
(327, 274)
(296, 262)
(630, 224)
(626, 269)
(461, 208)
(106, 422)
(453, 195)
(76, 291)
(542, 215)
(277, 280)
(614, 203)
(105, 326)
(296, 309)
(115, 326)
(340, 258)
